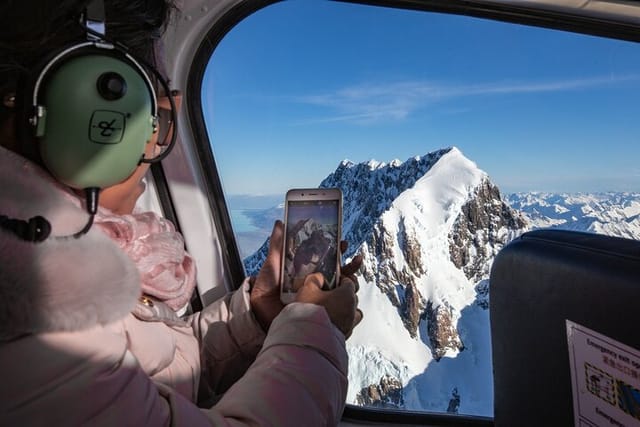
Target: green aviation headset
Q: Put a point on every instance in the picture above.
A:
(93, 108)
(93, 113)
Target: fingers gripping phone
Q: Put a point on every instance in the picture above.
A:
(313, 224)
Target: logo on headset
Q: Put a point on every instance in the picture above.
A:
(106, 127)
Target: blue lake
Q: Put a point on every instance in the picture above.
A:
(241, 222)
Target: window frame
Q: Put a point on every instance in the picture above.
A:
(554, 19)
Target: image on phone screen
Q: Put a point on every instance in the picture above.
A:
(311, 242)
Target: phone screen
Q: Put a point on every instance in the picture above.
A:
(311, 242)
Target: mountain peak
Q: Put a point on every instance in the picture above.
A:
(369, 188)
(346, 163)
(374, 164)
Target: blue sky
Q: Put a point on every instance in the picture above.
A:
(299, 86)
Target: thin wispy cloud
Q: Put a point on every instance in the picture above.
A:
(371, 103)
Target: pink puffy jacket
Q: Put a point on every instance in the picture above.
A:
(79, 347)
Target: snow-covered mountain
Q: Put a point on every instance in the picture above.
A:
(428, 229)
(614, 214)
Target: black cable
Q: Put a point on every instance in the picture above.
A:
(84, 231)
(91, 201)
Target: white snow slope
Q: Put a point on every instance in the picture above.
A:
(381, 345)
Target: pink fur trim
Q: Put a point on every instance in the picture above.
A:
(59, 284)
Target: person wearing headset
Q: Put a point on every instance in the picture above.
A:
(90, 287)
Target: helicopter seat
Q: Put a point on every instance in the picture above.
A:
(565, 331)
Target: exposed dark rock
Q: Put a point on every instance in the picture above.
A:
(454, 402)
(411, 250)
(386, 394)
(379, 254)
(443, 334)
(485, 224)
(398, 284)
(482, 293)
(412, 309)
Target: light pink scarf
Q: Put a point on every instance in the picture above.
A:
(168, 272)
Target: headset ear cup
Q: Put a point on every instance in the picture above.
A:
(97, 115)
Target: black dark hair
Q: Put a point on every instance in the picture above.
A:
(31, 29)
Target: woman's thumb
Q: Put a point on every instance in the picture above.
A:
(314, 279)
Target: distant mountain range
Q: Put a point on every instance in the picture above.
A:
(613, 214)
(428, 229)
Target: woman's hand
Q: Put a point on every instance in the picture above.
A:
(265, 291)
(341, 303)
(349, 270)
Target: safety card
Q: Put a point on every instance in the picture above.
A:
(605, 379)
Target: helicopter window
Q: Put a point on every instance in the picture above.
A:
(449, 136)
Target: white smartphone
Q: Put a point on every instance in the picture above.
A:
(313, 224)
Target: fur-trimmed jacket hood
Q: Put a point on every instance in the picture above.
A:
(48, 286)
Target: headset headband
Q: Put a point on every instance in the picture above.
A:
(94, 19)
